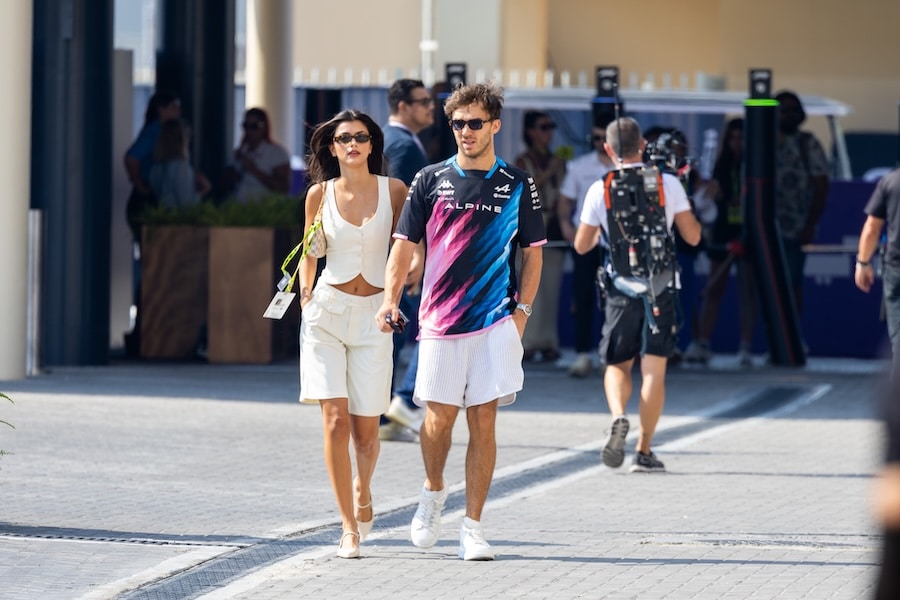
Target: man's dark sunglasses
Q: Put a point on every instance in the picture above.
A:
(252, 125)
(474, 124)
(423, 101)
(346, 138)
(547, 126)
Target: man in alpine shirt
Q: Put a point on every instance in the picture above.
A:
(474, 212)
(627, 331)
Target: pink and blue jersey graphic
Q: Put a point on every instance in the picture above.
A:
(472, 223)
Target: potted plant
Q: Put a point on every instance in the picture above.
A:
(213, 268)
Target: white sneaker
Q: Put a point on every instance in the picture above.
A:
(425, 528)
(745, 359)
(698, 352)
(400, 412)
(472, 545)
(582, 366)
(394, 432)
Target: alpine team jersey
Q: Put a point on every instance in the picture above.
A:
(470, 221)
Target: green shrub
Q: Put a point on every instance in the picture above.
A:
(272, 211)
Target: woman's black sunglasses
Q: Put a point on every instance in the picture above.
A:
(346, 138)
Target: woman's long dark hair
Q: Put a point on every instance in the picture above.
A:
(322, 165)
(727, 163)
(158, 100)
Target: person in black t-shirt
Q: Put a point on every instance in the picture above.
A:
(474, 212)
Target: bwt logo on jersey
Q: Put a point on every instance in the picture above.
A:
(445, 191)
(506, 173)
(445, 188)
(476, 206)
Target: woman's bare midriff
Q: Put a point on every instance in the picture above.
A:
(358, 286)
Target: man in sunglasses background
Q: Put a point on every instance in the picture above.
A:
(411, 107)
(474, 212)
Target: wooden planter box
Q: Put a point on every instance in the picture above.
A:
(174, 274)
(244, 267)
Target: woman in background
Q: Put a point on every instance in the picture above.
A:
(725, 247)
(261, 166)
(163, 106)
(172, 177)
(548, 170)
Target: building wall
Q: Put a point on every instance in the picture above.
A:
(844, 50)
(357, 34)
(658, 38)
(466, 32)
(525, 44)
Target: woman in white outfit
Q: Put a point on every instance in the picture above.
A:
(345, 360)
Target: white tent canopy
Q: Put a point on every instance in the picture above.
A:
(681, 101)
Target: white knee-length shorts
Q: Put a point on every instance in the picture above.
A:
(471, 370)
(343, 354)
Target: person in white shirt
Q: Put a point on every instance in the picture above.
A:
(261, 166)
(581, 174)
(627, 331)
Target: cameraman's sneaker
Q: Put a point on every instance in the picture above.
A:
(472, 545)
(647, 463)
(614, 450)
(582, 366)
(426, 525)
(698, 352)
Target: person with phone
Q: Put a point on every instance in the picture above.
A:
(474, 212)
(345, 360)
(261, 167)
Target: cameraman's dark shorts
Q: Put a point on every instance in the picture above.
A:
(625, 324)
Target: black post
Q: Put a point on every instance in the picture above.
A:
(455, 75)
(72, 150)
(761, 233)
(603, 106)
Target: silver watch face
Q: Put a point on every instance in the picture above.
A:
(525, 308)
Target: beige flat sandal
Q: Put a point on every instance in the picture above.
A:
(348, 552)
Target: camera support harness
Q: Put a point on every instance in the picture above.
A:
(641, 260)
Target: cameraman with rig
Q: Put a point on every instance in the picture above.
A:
(634, 208)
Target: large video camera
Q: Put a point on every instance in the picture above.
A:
(667, 150)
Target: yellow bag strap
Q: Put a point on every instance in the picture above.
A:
(287, 281)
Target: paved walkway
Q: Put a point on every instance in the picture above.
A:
(194, 480)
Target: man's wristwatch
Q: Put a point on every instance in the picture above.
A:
(863, 263)
(525, 308)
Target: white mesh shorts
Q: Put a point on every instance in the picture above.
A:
(343, 354)
(471, 370)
